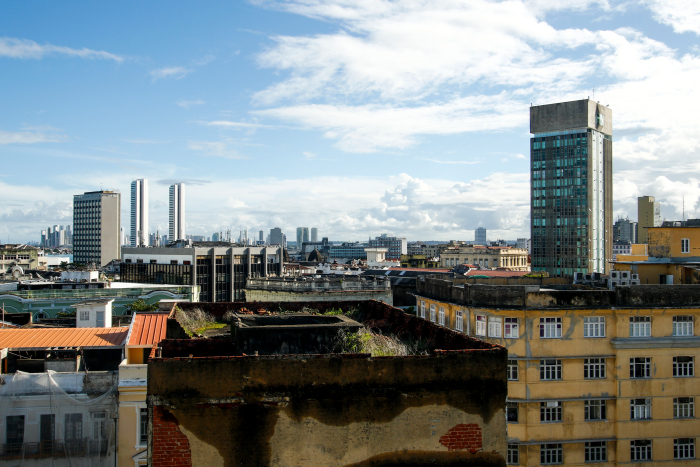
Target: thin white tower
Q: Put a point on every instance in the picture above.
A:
(177, 212)
(139, 212)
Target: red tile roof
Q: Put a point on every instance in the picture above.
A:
(148, 328)
(62, 337)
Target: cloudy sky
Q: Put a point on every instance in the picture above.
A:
(354, 116)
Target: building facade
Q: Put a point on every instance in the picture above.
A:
(176, 212)
(571, 187)
(276, 237)
(504, 257)
(480, 236)
(648, 215)
(96, 224)
(314, 234)
(603, 377)
(24, 256)
(396, 246)
(348, 250)
(625, 230)
(302, 235)
(139, 213)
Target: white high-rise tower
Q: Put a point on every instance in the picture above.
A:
(139, 212)
(177, 212)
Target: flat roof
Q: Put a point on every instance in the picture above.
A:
(42, 339)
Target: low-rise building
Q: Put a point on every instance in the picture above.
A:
(16, 258)
(503, 257)
(319, 288)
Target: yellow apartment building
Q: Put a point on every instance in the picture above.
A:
(595, 376)
(513, 259)
(672, 255)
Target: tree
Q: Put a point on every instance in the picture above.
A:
(139, 305)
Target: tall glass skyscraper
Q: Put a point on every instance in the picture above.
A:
(571, 187)
(139, 212)
(176, 229)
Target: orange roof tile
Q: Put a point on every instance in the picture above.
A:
(62, 337)
(148, 328)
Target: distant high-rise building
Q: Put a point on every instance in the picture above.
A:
(314, 234)
(96, 227)
(177, 212)
(396, 246)
(261, 236)
(302, 236)
(276, 236)
(625, 230)
(139, 212)
(648, 215)
(571, 187)
(480, 236)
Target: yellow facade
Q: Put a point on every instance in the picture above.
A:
(132, 404)
(513, 259)
(549, 377)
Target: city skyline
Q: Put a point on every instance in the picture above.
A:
(278, 95)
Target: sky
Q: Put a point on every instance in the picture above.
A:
(358, 117)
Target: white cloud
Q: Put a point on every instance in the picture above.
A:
(309, 155)
(175, 72)
(187, 104)
(230, 124)
(30, 137)
(27, 49)
(215, 148)
(681, 15)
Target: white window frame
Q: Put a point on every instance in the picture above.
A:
(512, 407)
(595, 410)
(596, 451)
(511, 328)
(594, 326)
(422, 309)
(683, 368)
(480, 326)
(683, 407)
(512, 370)
(640, 450)
(643, 363)
(550, 328)
(683, 448)
(552, 453)
(441, 316)
(432, 312)
(640, 409)
(594, 368)
(683, 325)
(513, 454)
(459, 320)
(550, 369)
(495, 326)
(84, 315)
(640, 326)
(551, 412)
(685, 245)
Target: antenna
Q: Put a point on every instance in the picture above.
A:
(594, 93)
(683, 215)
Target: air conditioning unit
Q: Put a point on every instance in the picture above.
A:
(635, 282)
(624, 282)
(578, 276)
(635, 277)
(588, 277)
(613, 284)
(625, 275)
(614, 275)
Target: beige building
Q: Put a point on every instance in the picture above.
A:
(505, 257)
(24, 256)
(648, 215)
(96, 227)
(595, 376)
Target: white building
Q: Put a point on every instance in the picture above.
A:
(139, 212)
(177, 212)
(96, 223)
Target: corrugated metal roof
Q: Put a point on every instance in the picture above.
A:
(148, 328)
(62, 337)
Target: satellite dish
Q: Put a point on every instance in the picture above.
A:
(17, 272)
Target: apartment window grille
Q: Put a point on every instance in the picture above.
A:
(143, 425)
(640, 450)
(684, 448)
(594, 326)
(594, 368)
(512, 412)
(432, 313)
(683, 367)
(494, 326)
(512, 370)
(594, 410)
(14, 434)
(550, 369)
(84, 315)
(640, 326)
(685, 245)
(550, 411)
(640, 409)
(550, 328)
(511, 328)
(441, 316)
(459, 321)
(683, 326)
(422, 309)
(480, 325)
(596, 451)
(513, 454)
(551, 454)
(683, 407)
(73, 426)
(640, 367)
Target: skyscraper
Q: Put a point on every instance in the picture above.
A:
(139, 212)
(177, 212)
(276, 237)
(302, 236)
(649, 215)
(571, 187)
(314, 234)
(480, 236)
(96, 226)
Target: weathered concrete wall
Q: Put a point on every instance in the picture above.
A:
(569, 115)
(319, 296)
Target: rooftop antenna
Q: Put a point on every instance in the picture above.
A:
(683, 215)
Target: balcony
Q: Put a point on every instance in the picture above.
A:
(81, 447)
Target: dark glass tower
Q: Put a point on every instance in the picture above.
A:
(571, 187)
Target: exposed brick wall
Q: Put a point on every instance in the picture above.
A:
(170, 447)
(463, 437)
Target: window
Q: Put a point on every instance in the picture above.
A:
(594, 326)
(685, 245)
(173, 261)
(640, 450)
(459, 321)
(640, 326)
(550, 369)
(683, 326)
(593, 368)
(441, 316)
(84, 315)
(550, 328)
(550, 411)
(640, 409)
(480, 325)
(683, 407)
(683, 367)
(512, 412)
(594, 410)
(512, 370)
(47, 430)
(143, 425)
(14, 433)
(512, 330)
(596, 451)
(640, 367)
(73, 430)
(432, 313)
(684, 448)
(513, 454)
(494, 326)
(422, 309)
(551, 454)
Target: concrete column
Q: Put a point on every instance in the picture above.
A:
(232, 269)
(212, 283)
(264, 260)
(280, 261)
(249, 259)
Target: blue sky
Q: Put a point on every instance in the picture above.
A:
(355, 116)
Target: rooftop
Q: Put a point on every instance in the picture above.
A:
(41, 339)
(147, 329)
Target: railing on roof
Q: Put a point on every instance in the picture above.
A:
(97, 293)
